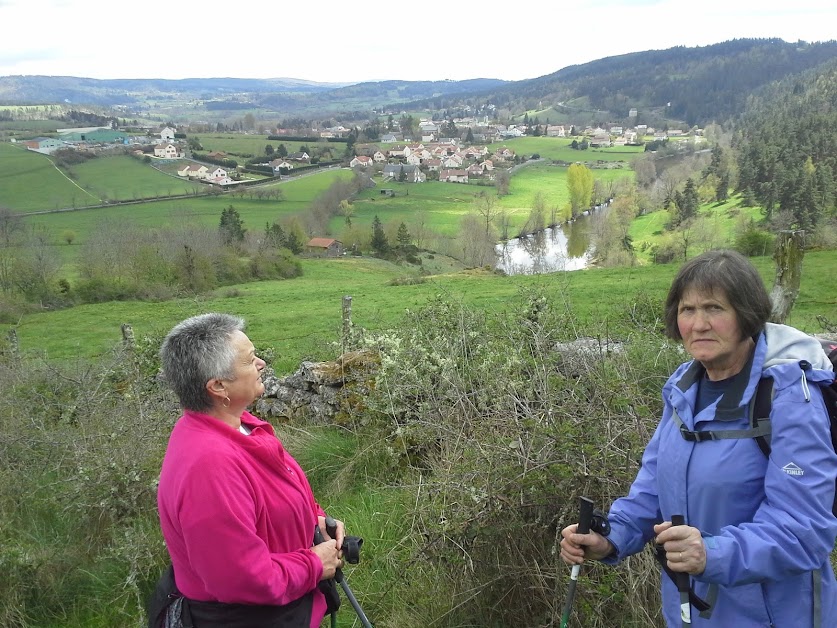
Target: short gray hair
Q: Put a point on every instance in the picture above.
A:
(195, 351)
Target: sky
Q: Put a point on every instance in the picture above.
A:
(347, 42)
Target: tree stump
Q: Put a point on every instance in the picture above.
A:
(788, 256)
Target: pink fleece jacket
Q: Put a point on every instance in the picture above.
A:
(238, 515)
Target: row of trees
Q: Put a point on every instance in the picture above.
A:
(120, 260)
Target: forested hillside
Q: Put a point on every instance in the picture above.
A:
(788, 148)
(702, 84)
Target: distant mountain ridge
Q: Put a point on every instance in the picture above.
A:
(694, 85)
(39, 89)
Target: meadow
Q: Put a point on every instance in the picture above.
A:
(558, 148)
(204, 210)
(29, 181)
(240, 144)
(124, 178)
(301, 318)
(445, 204)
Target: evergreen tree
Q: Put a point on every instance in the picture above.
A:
(274, 236)
(403, 236)
(379, 238)
(293, 243)
(231, 227)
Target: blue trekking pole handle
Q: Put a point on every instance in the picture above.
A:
(682, 581)
(585, 517)
(331, 528)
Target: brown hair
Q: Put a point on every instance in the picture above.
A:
(727, 272)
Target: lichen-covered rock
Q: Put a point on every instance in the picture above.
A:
(319, 392)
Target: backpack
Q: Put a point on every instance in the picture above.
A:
(760, 414)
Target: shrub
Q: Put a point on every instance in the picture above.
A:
(507, 433)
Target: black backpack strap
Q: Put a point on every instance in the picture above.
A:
(760, 428)
(760, 412)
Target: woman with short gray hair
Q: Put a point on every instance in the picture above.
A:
(236, 510)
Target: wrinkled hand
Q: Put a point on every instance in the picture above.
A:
(576, 547)
(685, 550)
(330, 557)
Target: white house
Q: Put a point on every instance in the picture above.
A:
(195, 171)
(360, 161)
(166, 151)
(454, 176)
(167, 134)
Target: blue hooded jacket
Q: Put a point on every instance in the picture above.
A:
(767, 523)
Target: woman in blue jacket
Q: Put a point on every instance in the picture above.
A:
(759, 529)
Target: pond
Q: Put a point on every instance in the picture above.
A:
(564, 247)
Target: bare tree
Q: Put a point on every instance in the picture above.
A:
(419, 229)
(502, 181)
(486, 206)
(477, 248)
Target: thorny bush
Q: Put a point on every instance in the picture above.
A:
(507, 432)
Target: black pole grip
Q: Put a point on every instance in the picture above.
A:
(681, 578)
(585, 515)
(331, 526)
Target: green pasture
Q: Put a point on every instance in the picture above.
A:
(202, 210)
(29, 181)
(24, 129)
(125, 178)
(648, 230)
(551, 182)
(241, 144)
(558, 148)
(445, 204)
(301, 318)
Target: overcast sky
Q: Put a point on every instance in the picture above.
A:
(343, 41)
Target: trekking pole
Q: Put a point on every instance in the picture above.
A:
(331, 528)
(682, 582)
(585, 516)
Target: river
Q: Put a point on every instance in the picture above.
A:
(564, 247)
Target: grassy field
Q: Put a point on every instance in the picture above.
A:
(647, 230)
(29, 181)
(124, 178)
(445, 204)
(558, 148)
(201, 210)
(253, 144)
(300, 318)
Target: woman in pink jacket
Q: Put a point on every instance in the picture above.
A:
(237, 512)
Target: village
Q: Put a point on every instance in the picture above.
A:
(426, 155)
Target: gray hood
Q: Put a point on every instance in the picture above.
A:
(787, 344)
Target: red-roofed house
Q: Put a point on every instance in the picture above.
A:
(324, 247)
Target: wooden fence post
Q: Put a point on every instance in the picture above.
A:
(790, 249)
(347, 319)
(14, 343)
(127, 336)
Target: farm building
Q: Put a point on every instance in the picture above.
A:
(324, 247)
